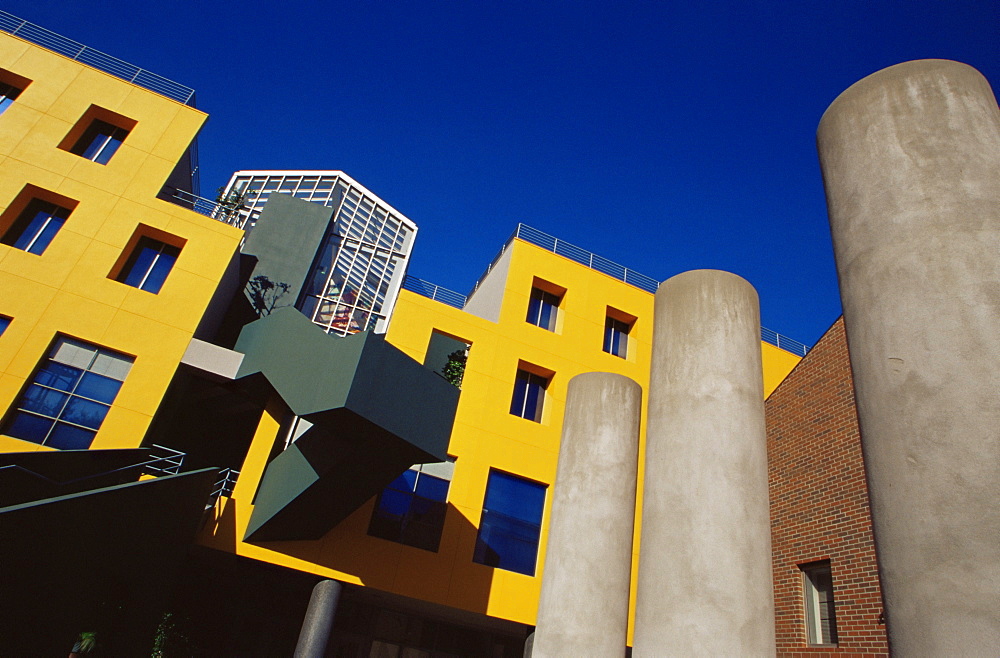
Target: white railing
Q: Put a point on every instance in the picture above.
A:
(95, 58)
(584, 257)
(433, 291)
(164, 461)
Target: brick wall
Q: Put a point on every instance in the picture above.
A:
(819, 502)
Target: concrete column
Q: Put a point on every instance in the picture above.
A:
(318, 622)
(911, 163)
(583, 608)
(705, 584)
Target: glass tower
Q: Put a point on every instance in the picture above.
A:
(358, 268)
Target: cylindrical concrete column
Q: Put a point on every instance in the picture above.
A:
(318, 622)
(705, 550)
(583, 608)
(911, 164)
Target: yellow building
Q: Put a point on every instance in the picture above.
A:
(417, 558)
(97, 273)
(120, 329)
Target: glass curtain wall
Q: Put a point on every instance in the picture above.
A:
(360, 264)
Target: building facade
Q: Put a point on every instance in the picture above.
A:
(412, 462)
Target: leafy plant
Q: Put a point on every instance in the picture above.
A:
(85, 642)
(454, 370)
(231, 204)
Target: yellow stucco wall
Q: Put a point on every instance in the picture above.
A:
(66, 290)
(485, 436)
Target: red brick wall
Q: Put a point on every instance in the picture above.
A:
(819, 502)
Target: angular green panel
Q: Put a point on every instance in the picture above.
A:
(374, 411)
(279, 258)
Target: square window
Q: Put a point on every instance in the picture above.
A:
(411, 510)
(35, 226)
(543, 308)
(11, 86)
(8, 93)
(529, 394)
(99, 141)
(69, 396)
(617, 326)
(147, 259)
(148, 266)
(98, 134)
(511, 523)
(821, 619)
(447, 356)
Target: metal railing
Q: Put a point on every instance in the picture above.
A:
(223, 486)
(164, 461)
(433, 291)
(784, 342)
(95, 58)
(199, 204)
(584, 257)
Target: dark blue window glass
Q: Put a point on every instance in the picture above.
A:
(4, 323)
(411, 510)
(66, 402)
(511, 523)
(58, 375)
(542, 309)
(99, 141)
(98, 387)
(68, 437)
(29, 427)
(432, 488)
(85, 413)
(616, 337)
(35, 227)
(529, 395)
(44, 401)
(148, 266)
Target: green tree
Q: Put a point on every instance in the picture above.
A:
(454, 370)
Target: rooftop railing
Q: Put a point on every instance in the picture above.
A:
(95, 58)
(433, 291)
(584, 257)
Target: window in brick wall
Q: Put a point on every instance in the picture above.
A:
(821, 618)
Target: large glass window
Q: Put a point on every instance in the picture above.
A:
(542, 309)
(411, 510)
(529, 395)
(99, 141)
(69, 395)
(821, 619)
(35, 227)
(149, 264)
(511, 523)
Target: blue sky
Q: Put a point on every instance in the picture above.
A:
(665, 136)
